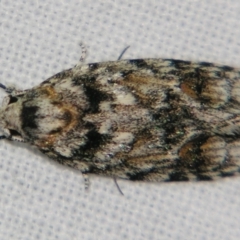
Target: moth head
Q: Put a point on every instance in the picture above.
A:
(10, 121)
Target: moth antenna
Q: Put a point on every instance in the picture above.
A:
(7, 89)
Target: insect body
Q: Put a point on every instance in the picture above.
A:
(144, 119)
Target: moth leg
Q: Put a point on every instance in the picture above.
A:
(83, 55)
(84, 52)
(86, 181)
(116, 183)
(124, 50)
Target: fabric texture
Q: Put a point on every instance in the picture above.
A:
(39, 199)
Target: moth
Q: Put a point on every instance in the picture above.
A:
(145, 119)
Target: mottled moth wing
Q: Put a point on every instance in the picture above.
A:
(145, 119)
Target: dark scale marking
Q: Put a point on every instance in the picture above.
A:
(139, 175)
(189, 75)
(12, 99)
(192, 158)
(170, 96)
(65, 74)
(227, 68)
(110, 69)
(195, 78)
(83, 79)
(94, 140)
(89, 125)
(156, 70)
(172, 72)
(93, 66)
(179, 64)
(202, 177)
(172, 119)
(218, 74)
(61, 75)
(28, 116)
(172, 123)
(14, 132)
(178, 176)
(67, 116)
(200, 81)
(140, 63)
(95, 97)
(228, 174)
(206, 64)
(125, 73)
(57, 130)
(97, 170)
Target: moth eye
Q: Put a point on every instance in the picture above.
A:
(12, 99)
